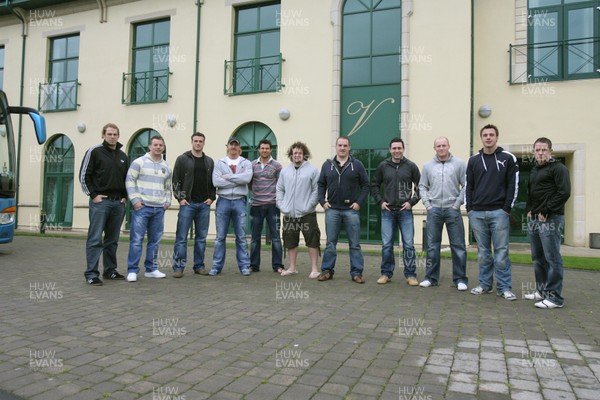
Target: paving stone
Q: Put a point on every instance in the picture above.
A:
(525, 395)
(463, 387)
(550, 394)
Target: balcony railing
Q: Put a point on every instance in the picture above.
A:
(253, 75)
(58, 96)
(553, 61)
(146, 87)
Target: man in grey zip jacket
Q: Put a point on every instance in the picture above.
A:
(345, 181)
(400, 179)
(231, 177)
(297, 198)
(442, 189)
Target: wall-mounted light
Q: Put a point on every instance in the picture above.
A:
(485, 111)
(81, 127)
(171, 120)
(284, 114)
(2, 130)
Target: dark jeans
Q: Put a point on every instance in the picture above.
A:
(258, 214)
(390, 222)
(350, 220)
(199, 213)
(545, 253)
(106, 218)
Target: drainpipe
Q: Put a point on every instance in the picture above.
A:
(103, 10)
(197, 69)
(22, 15)
(471, 118)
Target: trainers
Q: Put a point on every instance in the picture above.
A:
(533, 296)
(254, 269)
(154, 274)
(480, 290)
(461, 286)
(383, 279)
(213, 272)
(508, 295)
(246, 272)
(177, 274)
(325, 276)
(547, 304)
(201, 271)
(115, 276)
(425, 283)
(412, 281)
(94, 282)
(131, 277)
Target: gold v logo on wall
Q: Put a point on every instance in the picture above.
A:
(366, 112)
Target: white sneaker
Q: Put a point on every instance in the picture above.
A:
(547, 304)
(425, 283)
(508, 295)
(154, 274)
(131, 277)
(462, 286)
(533, 296)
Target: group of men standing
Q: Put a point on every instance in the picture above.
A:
(487, 185)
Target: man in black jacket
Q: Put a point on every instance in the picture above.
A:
(194, 189)
(491, 192)
(400, 179)
(549, 190)
(345, 182)
(102, 178)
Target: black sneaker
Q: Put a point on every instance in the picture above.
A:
(254, 269)
(114, 276)
(94, 282)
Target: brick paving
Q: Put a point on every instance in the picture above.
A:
(268, 337)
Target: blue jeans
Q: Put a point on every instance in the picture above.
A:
(334, 219)
(258, 214)
(390, 222)
(491, 228)
(200, 214)
(146, 219)
(436, 218)
(106, 218)
(228, 210)
(545, 252)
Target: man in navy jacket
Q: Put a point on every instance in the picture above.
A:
(343, 188)
(491, 192)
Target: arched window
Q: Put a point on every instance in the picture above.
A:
(59, 158)
(250, 134)
(138, 146)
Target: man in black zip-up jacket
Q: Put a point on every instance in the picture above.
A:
(549, 190)
(193, 188)
(343, 188)
(491, 192)
(102, 178)
(400, 179)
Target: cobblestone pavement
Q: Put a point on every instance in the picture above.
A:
(269, 337)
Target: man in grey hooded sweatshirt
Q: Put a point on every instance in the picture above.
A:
(442, 189)
(297, 197)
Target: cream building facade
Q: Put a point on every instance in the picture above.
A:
(302, 70)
